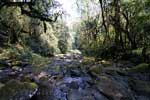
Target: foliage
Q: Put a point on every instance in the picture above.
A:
(62, 33)
(88, 60)
(17, 90)
(121, 27)
(17, 53)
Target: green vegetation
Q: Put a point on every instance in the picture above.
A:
(88, 60)
(15, 90)
(19, 55)
(116, 29)
(46, 54)
(120, 27)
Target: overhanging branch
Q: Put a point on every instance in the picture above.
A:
(32, 13)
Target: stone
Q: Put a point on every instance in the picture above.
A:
(107, 63)
(1, 85)
(16, 68)
(113, 90)
(139, 86)
(73, 85)
(75, 95)
(75, 73)
(141, 68)
(95, 69)
(88, 60)
(16, 90)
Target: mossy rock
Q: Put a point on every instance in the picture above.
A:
(111, 71)
(1, 85)
(141, 87)
(26, 78)
(17, 68)
(57, 68)
(112, 89)
(106, 63)
(15, 90)
(141, 68)
(44, 79)
(88, 60)
(16, 63)
(95, 69)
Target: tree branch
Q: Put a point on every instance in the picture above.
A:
(32, 13)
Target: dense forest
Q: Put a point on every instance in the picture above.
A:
(101, 52)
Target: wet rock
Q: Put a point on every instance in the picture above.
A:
(85, 94)
(75, 73)
(65, 88)
(75, 95)
(60, 93)
(15, 90)
(17, 68)
(73, 85)
(113, 90)
(98, 96)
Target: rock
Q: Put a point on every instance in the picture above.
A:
(139, 86)
(15, 90)
(4, 64)
(16, 63)
(75, 52)
(43, 93)
(16, 68)
(75, 95)
(73, 85)
(75, 73)
(113, 90)
(1, 85)
(61, 92)
(4, 74)
(98, 96)
(141, 68)
(88, 60)
(26, 78)
(107, 63)
(86, 94)
(95, 70)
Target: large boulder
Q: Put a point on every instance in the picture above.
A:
(15, 90)
(139, 86)
(113, 90)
